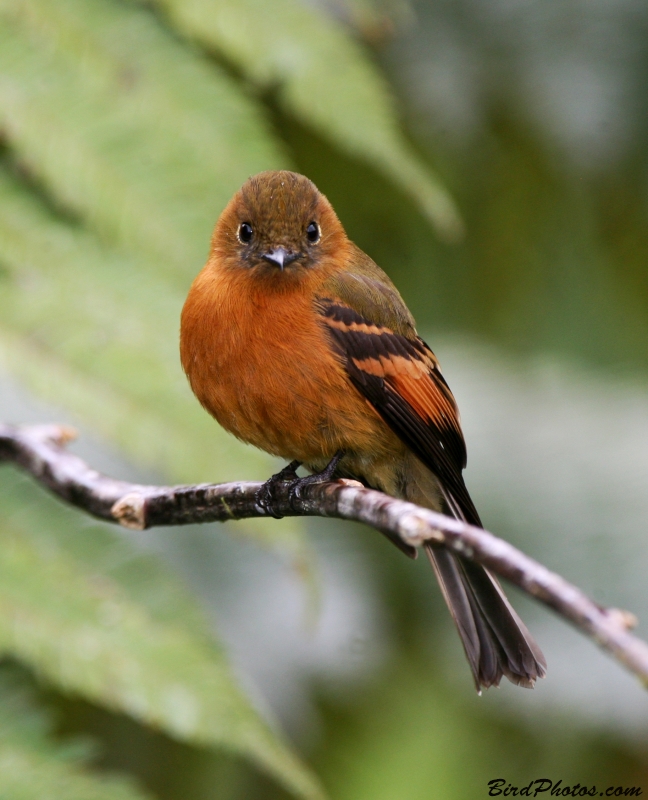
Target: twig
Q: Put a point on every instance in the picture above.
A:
(40, 450)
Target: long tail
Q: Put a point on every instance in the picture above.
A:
(495, 639)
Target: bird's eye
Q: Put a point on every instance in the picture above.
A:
(313, 232)
(245, 232)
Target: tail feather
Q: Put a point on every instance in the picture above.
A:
(521, 659)
(495, 639)
(502, 644)
(458, 596)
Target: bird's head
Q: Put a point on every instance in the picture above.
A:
(277, 224)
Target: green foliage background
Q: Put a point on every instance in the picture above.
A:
(125, 127)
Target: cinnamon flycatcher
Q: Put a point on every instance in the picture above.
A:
(298, 343)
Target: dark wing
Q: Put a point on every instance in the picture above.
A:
(399, 375)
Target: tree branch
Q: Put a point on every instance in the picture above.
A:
(41, 451)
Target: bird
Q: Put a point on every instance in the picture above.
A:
(298, 343)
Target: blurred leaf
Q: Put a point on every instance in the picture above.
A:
(94, 329)
(376, 21)
(323, 77)
(100, 548)
(27, 775)
(67, 608)
(126, 126)
(32, 765)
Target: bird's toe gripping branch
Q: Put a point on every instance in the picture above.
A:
(326, 475)
(266, 497)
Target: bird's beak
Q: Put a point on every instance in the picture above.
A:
(280, 257)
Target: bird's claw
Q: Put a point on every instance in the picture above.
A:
(266, 496)
(296, 491)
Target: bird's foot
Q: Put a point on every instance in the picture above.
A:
(266, 495)
(297, 488)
